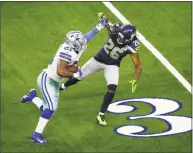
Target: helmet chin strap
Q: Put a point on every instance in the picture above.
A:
(77, 51)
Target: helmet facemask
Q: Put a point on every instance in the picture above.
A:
(121, 39)
(79, 44)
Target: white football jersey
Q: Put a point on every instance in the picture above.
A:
(66, 53)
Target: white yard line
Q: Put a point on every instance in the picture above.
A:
(151, 48)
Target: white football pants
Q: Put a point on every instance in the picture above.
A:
(49, 90)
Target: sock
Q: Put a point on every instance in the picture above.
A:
(41, 125)
(38, 102)
(70, 82)
(43, 120)
(106, 102)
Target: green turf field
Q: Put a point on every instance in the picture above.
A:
(31, 33)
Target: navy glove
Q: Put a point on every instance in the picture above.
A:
(104, 22)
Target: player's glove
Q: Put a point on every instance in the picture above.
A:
(134, 85)
(103, 21)
(101, 15)
(77, 74)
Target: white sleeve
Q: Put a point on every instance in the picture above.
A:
(65, 53)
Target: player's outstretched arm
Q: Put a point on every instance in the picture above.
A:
(92, 33)
(138, 70)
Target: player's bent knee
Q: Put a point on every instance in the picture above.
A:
(112, 88)
(47, 113)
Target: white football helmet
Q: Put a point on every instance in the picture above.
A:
(76, 40)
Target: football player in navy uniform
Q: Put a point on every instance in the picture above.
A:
(122, 41)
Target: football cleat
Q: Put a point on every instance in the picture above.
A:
(101, 120)
(38, 138)
(31, 95)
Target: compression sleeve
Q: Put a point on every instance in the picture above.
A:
(90, 35)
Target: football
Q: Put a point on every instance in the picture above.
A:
(72, 68)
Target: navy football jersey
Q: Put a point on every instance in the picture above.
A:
(112, 53)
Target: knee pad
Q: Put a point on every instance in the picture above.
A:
(47, 113)
(112, 87)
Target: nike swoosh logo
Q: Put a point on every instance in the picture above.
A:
(40, 140)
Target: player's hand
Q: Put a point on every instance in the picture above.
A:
(103, 20)
(77, 74)
(134, 85)
(101, 15)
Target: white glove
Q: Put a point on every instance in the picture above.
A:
(77, 74)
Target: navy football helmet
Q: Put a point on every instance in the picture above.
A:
(126, 34)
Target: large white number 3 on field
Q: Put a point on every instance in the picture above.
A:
(161, 110)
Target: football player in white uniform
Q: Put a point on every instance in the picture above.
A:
(48, 80)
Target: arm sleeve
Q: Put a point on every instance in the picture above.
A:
(90, 35)
(65, 54)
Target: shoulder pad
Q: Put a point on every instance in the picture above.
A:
(132, 47)
(66, 47)
(135, 43)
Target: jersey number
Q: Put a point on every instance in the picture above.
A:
(112, 50)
